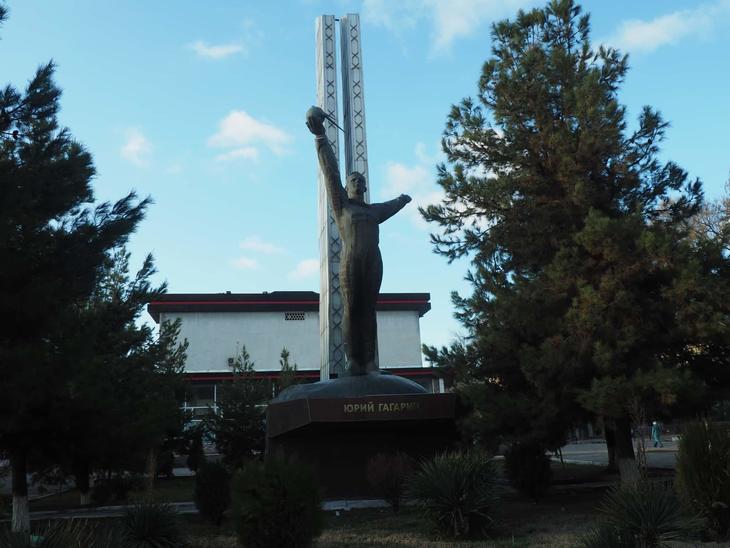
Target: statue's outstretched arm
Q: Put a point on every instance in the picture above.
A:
(327, 160)
(386, 210)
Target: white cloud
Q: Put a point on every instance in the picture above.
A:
(458, 18)
(174, 169)
(248, 153)
(249, 36)
(136, 148)
(639, 36)
(402, 179)
(424, 157)
(304, 269)
(417, 180)
(244, 135)
(255, 243)
(450, 19)
(245, 263)
(221, 51)
(394, 16)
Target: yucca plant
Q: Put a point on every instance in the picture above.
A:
(607, 536)
(457, 493)
(150, 525)
(68, 534)
(645, 515)
(63, 534)
(703, 473)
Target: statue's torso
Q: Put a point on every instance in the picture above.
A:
(358, 224)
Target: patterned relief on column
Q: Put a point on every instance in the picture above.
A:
(353, 104)
(353, 100)
(332, 357)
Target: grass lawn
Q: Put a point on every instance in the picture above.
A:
(180, 489)
(580, 473)
(558, 521)
(175, 489)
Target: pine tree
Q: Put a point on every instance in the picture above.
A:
(103, 346)
(238, 425)
(52, 244)
(288, 375)
(582, 269)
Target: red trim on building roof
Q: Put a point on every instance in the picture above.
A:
(312, 374)
(277, 301)
(380, 301)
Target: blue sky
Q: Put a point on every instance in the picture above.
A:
(202, 107)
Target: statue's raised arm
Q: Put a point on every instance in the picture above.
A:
(327, 161)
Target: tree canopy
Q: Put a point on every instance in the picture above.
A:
(238, 424)
(589, 294)
(57, 292)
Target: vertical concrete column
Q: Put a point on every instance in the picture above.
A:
(353, 104)
(332, 353)
(353, 98)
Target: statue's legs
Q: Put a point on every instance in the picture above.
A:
(360, 278)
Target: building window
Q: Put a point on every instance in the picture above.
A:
(200, 395)
(200, 401)
(294, 316)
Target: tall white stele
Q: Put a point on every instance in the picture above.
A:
(332, 352)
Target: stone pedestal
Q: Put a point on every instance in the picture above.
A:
(337, 436)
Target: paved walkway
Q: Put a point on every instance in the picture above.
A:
(102, 512)
(595, 453)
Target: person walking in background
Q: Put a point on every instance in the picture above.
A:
(656, 434)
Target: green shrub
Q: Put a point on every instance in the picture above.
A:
(122, 484)
(528, 469)
(212, 494)
(388, 475)
(276, 504)
(101, 492)
(165, 463)
(645, 515)
(457, 493)
(117, 487)
(196, 455)
(703, 473)
(150, 525)
(6, 504)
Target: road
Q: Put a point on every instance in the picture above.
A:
(595, 453)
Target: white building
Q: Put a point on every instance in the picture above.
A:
(218, 325)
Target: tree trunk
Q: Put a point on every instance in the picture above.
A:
(21, 513)
(151, 470)
(81, 477)
(627, 468)
(610, 436)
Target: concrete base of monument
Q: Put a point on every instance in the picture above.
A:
(336, 436)
(376, 383)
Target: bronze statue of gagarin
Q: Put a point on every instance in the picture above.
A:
(361, 266)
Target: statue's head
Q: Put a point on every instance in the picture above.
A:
(356, 186)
